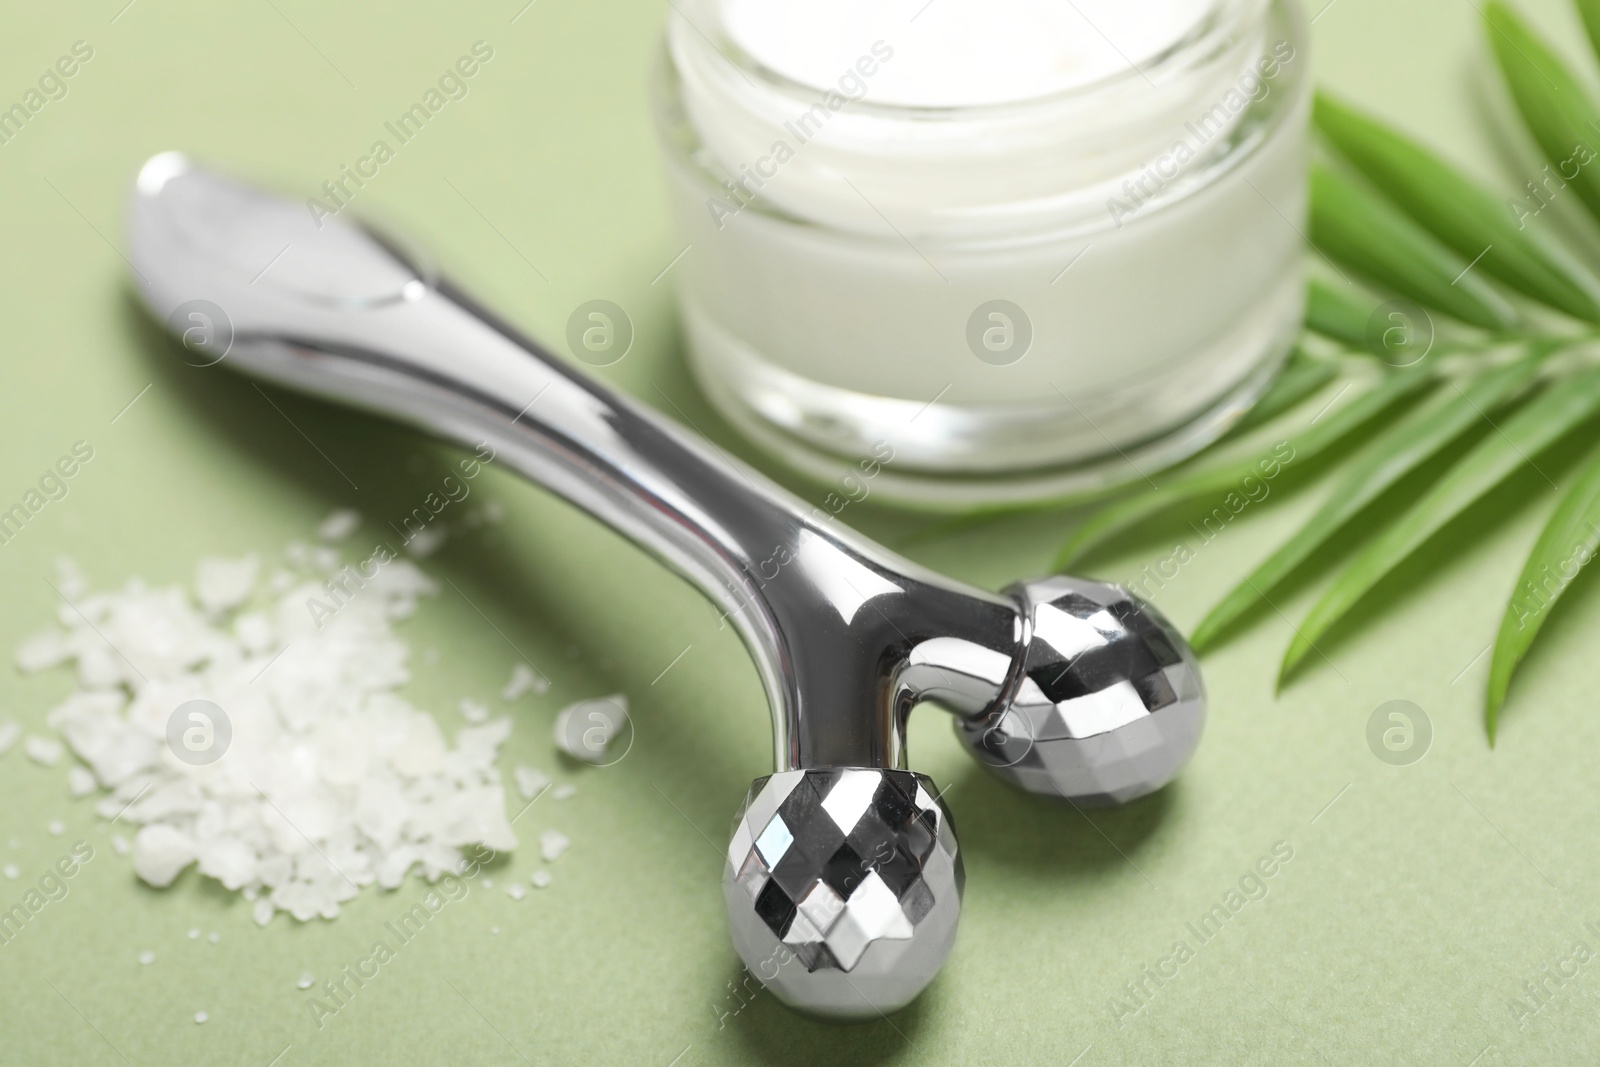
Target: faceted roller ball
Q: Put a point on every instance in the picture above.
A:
(843, 888)
(1111, 703)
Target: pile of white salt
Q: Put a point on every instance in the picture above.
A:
(331, 781)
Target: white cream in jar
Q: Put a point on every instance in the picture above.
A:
(1034, 247)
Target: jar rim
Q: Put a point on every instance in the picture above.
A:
(1039, 220)
(1215, 32)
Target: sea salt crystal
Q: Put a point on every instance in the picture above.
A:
(530, 782)
(11, 871)
(9, 732)
(55, 827)
(69, 579)
(553, 844)
(255, 632)
(564, 791)
(119, 845)
(200, 1016)
(473, 711)
(213, 937)
(540, 879)
(42, 750)
(221, 584)
(516, 891)
(586, 729)
(333, 781)
(81, 782)
(42, 650)
(339, 524)
(194, 935)
(524, 680)
(160, 852)
(146, 958)
(306, 980)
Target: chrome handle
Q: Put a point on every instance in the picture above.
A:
(833, 621)
(843, 870)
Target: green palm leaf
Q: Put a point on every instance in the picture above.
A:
(1455, 210)
(1404, 222)
(1357, 228)
(1568, 542)
(1552, 101)
(1589, 11)
(1216, 482)
(1333, 314)
(1523, 436)
(1405, 447)
(1302, 375)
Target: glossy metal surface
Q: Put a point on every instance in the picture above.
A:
(847, 636)
(843, 888)
(844, 633)
(1111, 702)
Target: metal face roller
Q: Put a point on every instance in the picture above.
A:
(844, 878)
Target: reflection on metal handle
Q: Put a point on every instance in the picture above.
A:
(847, 636)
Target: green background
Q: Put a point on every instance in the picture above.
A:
(1414, 908)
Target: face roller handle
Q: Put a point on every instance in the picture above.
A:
(843, 880)
(833, 621)
(847, 637)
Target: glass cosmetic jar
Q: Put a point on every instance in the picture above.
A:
(1025, 249)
